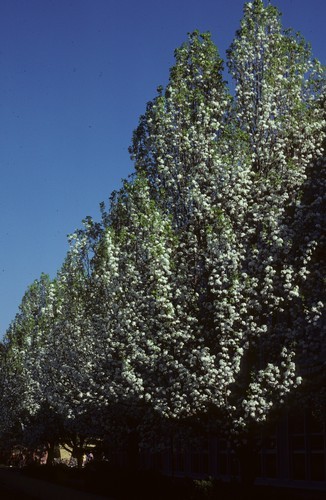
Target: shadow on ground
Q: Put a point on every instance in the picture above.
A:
(100, 478)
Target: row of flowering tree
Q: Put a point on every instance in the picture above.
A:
(199, 296)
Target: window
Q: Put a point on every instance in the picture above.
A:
(307, 446)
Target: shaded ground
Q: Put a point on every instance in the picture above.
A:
(102, 481)
(9, 494)
(16, 485)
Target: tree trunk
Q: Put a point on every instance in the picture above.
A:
(50, 450)
(79, 453)
(172, 455)
(133, 451)
(78, 450)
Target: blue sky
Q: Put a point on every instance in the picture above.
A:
(75, 76)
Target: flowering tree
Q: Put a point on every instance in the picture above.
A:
(309, 257)
(65, 358)
(177, 147)
(232, 180)
(21, 396)
(278, 112)
(133, 313)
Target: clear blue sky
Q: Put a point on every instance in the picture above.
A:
(75, 76)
